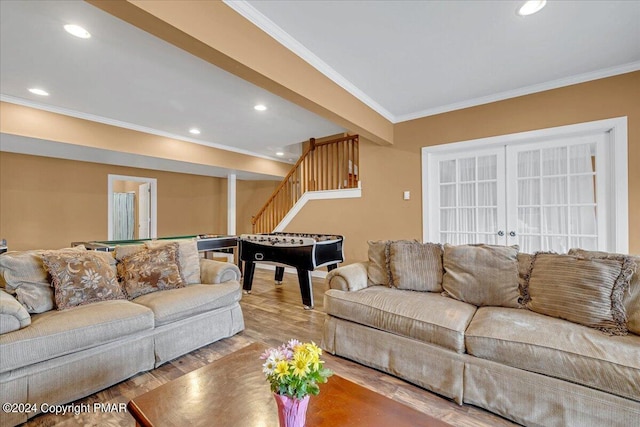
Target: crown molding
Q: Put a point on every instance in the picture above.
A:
(117, 123)
(272, 29)
(527, 90)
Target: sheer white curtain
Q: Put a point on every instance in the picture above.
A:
(556, 199)
(123, 216)
(468, 200)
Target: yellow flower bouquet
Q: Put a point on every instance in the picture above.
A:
(294, 369)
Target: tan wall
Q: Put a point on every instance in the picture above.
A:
(387, 171)
(250, 197)
(48, 203)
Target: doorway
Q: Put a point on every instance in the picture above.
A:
(132, 207)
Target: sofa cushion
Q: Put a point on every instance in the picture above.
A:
(557, 348)
(57, 333)
(378, 268)
(150, 270)
(424, 316)
(23, 274)
(13, 315)
(176, 304)
(188, 258)
(416, 266)
(631, 298)
(585, 291)
(81, 278)
(482, 275)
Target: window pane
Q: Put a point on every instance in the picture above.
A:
(554, 191)
(448, 220)
(529, 244)
(487, 167)
(487, 194)
(554, 161)
(583, 220)
(467, 169)
(467, 195)
(582, 158)
(467, 219)
(555, 221)
(582, 189)
(448, 238)
(448, 171)
(448, 195)
(555, 243)
(488, 219)
(529, 191)
(588, 243)
(529, 163)
(529, 220)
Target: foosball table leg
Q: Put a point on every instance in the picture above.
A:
(247, 280)
(279, 275)
(304, 278)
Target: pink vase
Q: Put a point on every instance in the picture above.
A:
(292, 412)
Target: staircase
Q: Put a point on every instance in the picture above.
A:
(326, 165)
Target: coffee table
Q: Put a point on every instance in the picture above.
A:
(232, 391)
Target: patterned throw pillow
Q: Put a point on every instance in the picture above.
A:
(188, 258)
(584, 291)
(482, 275)
(416, 266)
(23, 274)
(150, 270)
(81, 278)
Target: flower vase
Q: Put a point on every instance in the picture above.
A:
(292, 412)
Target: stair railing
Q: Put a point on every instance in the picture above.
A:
(326, 165)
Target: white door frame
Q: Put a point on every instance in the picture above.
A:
(153, 184)
(618, 168)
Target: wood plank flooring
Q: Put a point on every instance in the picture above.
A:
(273, 314)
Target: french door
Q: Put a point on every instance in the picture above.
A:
(544, 195)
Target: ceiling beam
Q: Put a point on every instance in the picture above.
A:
(219, 35)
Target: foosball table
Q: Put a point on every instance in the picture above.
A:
(304, 252)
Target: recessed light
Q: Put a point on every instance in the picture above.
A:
(194, 131)
(280, 154)
(260, 107)
(38, 91)
(77, 31)
(530, 7)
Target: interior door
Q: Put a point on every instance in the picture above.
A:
(470, 197)
(144, 218)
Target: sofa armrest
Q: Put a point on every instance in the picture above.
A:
(212, 272)
(352, 277)
(13, 315)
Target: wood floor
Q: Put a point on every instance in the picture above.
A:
(273, 315)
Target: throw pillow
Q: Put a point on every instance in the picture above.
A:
(416, 266)
(378, 268)
(150, 270)
(81, 278)
(23, 274)
(584, 291)
(188, 258)
(631, 298)
(482, 275)
(121, 251)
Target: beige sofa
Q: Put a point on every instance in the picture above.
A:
(532, 368)
(58, 356)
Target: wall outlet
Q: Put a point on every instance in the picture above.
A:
(406, 195)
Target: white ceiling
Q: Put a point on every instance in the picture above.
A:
(408, 59)
(405, 59)
(127, 77)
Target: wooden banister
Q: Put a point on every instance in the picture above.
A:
(326, 165)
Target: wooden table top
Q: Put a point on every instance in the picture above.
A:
(233, 391)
